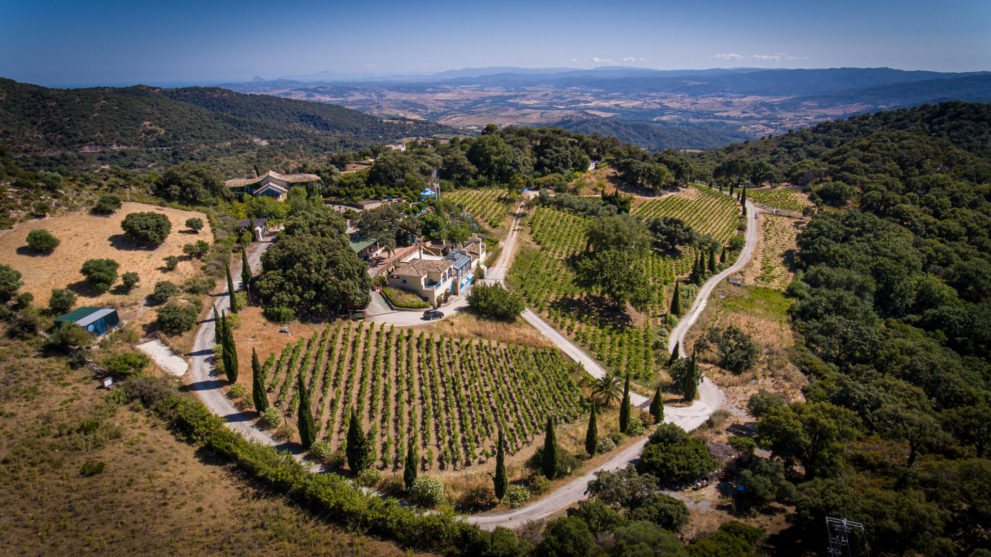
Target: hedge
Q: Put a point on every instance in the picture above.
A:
(332, 496)
(402, 299)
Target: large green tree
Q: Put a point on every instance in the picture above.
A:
(813, 433)
(146, 229)
(191, 183)
(317, 276)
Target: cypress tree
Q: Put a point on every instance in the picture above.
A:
(743, 198)
(218, 331)
(230, 290)
(690, 386)
(674, 353)
(548, 461)
(499, 480)
(722, 255)
(412, 461)
(592, 435)
(712, 261)
(676, 300)
(624, 407)
(657, 406)
(257, 384)
(304, 417)
(245, 272)
(357, 451)
(229, 353)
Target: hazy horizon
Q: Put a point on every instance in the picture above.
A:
(63, 43)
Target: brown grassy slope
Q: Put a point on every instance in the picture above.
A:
(156, 495)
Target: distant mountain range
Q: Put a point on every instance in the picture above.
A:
(151, 124)
(651, 108)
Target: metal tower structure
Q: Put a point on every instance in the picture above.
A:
(838, 532)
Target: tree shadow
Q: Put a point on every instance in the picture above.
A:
(84, 288)
(28, 251)
(120, 242)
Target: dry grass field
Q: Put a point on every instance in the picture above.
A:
(155, 494)
(776, 244)
(86, 236)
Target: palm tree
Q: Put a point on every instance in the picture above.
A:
(606, 389)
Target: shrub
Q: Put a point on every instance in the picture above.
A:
(403, 299)
(667, 512)
(599, 516)
(171, 262)
(25, 325)
(272, 417)
(196, 250)
(69, 334)
(146, 229)
(195, 224)
(565, 462)
(128, 280)
(319, 450)
(40, 209)
(478, 497)
(40, 239)
(129, 363)
(107, 204)
(566, 536)
(606, 444)
(92, 468)
(718, 419)
(62, 300)
(278, 314)
(766, 483)
(100, 273)
(175, 319)
(369, 477)
(538, 484)
(495, 302)
(153, 392)
(238, 391)
(516, 495)
(23, 300)
(163, 291)
(636, 427)
(427, 492)
(674, 457)
(198, 285)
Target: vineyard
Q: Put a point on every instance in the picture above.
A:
(704, 209)
(490, 205)
(451, 396)
(783, 198)
(544, 278)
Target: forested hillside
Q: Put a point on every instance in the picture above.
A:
(894, 305)
(141, 126)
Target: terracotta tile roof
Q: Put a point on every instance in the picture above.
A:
(288, 178)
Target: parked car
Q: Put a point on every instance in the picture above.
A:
(433, 314)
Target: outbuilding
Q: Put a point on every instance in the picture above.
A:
(95, 320)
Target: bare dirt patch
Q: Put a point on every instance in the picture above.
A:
(466, 325)
(264, 337)
(86, 236)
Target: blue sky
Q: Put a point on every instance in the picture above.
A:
(59, 43)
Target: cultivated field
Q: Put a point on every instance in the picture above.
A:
(450, 395)
(782, 198)
(704, 209)
(86, 236)
(490, 206)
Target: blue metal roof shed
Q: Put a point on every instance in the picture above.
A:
(95, 320)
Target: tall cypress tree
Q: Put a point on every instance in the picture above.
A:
(412, 464)
(218, 330)
(357, 451)
(676, 300)
(257, 384)
(245, 272)
(743, 198)
(304, 416)
(690, 383)
(592, 433)
(548, 461)
(674, 353)
(230, 289)
(229, 353)
(624, 407)
(722, 255)
(712, 261)
(657, 406)
(499, 480)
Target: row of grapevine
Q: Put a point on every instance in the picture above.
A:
(450, 395)
(488, 205)
(704, 209)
